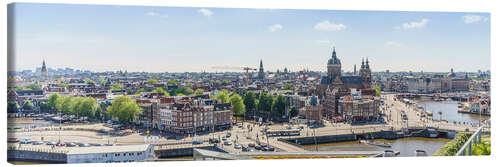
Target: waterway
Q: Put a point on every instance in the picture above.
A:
(28, 122)
(449, 110)
(406, 146)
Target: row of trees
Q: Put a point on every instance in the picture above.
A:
(80, 106)
(267, 103)
(235, 100)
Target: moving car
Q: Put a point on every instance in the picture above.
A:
(196, 142)
(227, 143)
(96, 144)
(213, 140)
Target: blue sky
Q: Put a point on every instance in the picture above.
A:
(178, 39)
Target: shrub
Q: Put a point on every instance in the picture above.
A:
(452, 147)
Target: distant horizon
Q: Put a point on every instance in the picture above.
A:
(190, 39)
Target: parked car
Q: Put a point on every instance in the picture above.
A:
(237, 146)
(258, 147)
(12, 140)
(37, 143)
(227, 143)
(83, 145)
(251, 144)
(224, 138)
(96, 144)
(70, 144)
(269, 148)
(228, 135)
(60, 144)
(245, 148)
(51, 143)
(25, 141)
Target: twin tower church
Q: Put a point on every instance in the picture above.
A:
(335, 80)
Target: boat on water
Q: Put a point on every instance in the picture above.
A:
(433, 133)
(420, 153)
(380, 144)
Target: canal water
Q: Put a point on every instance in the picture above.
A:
(406, 146)
(25, 123)
(449, 110)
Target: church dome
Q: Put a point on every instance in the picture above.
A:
(334, 60)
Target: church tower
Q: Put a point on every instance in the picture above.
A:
(334, 67)
(261, 71)
(366, 73)
(44, 74)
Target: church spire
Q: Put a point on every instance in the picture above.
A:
(334, 53)
(367, 65)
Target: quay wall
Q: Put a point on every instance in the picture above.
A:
(24, 155)
(180, 152)
(388, 135)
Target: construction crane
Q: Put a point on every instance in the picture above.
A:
(246, 69)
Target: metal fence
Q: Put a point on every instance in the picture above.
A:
(466, 149)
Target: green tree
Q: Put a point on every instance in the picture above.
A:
(44, 107)
(180, 94)
(224, 82)
(377, 90)
(287, 86)
(89, 81)
(250, 101)
(265, 102)
(237, 103)
(116, 86)
(223, 96)
(198, 91)
(102, 81)
(161, 90)
(12, 106)
(172, 82)
(98, 113)
(124, 108)
(66, 105)
(152, 81)
(33, 87)
(279, 106)
(87, 107)
(53, 101)
(28, 105)
(293, 112)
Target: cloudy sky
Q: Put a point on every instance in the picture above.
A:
(178, 39)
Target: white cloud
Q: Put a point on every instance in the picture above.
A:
(156, 14)
(327, 26)
(275, 27)
(152, 14)
(206, 12)
(469, 18)
(414, 24)
(393, 43)
(322, 41)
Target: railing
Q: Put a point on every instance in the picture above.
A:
(466, 149)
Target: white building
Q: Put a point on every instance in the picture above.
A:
(110, 154)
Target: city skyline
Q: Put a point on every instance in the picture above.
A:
(187, 39)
